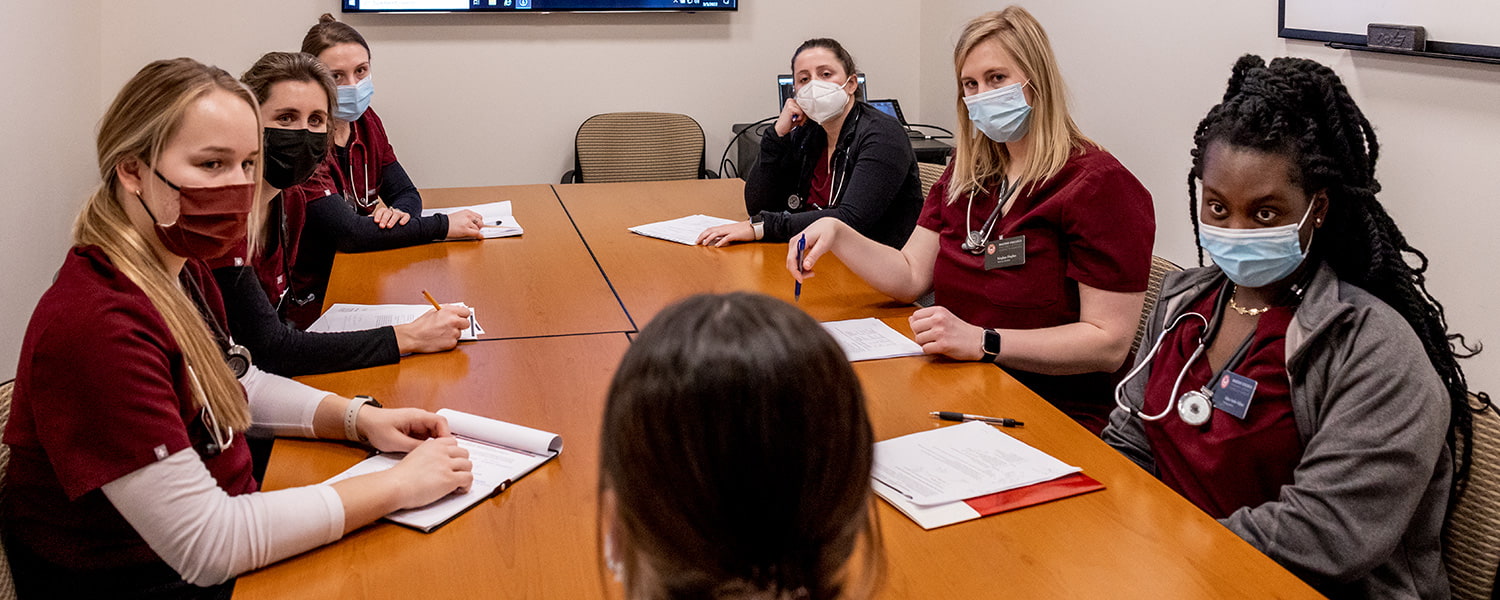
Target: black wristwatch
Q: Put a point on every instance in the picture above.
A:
(991, 346)
(758, 224)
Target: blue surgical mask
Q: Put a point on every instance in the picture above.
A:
(354, 99)
(1001, 113)
(1255, 257)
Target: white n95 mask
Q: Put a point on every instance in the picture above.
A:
(822, 100)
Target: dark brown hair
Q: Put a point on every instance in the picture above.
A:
(830, 45)
(737, 451)
(276, 67)
(329, 32)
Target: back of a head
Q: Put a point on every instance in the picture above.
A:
(737, 451)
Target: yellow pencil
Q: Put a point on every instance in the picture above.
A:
(435, 305)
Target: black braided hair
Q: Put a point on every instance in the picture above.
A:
(1300, 109)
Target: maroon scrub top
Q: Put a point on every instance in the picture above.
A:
(1227, 463)
(102, 389)
(1092, 223)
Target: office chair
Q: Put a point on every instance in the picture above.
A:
(7, 585)
(929, 173)
(1159, 269)
(1471, 547)
(637, 146)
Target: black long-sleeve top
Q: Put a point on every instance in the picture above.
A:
(883, 194)
(285, 350)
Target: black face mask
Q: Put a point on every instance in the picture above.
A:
(291, 155)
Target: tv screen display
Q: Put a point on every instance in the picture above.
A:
(421, 6)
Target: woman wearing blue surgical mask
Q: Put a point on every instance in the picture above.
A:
(828, 155)
(1036, 243)
(296, 94)
(1300, 389)
(360, 198)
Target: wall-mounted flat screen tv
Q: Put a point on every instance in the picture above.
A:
(431, 6)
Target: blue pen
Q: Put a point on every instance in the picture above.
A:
(801, 248)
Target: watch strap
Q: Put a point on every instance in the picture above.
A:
(351, 416)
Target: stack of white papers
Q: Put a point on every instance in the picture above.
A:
(359, 317)
(961, 462)
(683, 231)
(870, 339)
(498, 222)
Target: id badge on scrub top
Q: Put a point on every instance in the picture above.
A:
(1005, 252)
(1232, 394)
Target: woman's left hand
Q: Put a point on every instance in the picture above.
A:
(719, 236)
(939, 331)
(399, 429)
(387, 217)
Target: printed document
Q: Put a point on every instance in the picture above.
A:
(959, 462)
(359, 317)
(870, 339)
(501, 452)
(498, 222)
(683, 231)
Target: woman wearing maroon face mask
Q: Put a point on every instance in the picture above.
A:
(129, 476)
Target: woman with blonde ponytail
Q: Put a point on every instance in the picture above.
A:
(128, 475)
(1036, 243)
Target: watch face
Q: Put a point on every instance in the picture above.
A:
(991, 341)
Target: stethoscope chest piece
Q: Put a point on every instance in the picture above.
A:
(1194, 408)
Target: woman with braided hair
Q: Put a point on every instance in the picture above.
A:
(1302, 389)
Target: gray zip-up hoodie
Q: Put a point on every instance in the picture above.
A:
(1363, 517)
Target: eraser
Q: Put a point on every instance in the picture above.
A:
(1402, 37)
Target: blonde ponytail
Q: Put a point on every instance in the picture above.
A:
(145, 114)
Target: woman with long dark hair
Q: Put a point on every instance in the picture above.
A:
(1304, 388)
(737, 470)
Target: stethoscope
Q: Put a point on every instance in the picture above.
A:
(976, 238)
(839, 183)
(363, 200)
(1194, 407)
(239, 361)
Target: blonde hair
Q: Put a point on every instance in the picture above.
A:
(979, 161)
(145, 114)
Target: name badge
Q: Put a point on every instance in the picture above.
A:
(1007, 252)
(1232, 394)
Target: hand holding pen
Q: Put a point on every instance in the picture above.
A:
(801, 250)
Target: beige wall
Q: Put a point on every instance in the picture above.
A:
(494, 99)
(50, 104)
(1143, 73)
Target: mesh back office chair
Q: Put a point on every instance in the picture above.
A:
(7, 586)
(1472, 548)
(1159, 269)
(929, 174)
(637, 146)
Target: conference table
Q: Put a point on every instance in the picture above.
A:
(558, 324)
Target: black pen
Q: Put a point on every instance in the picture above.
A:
(958, 416)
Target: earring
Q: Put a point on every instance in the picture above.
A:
(1318, 222)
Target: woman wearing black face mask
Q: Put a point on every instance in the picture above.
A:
(294, 90)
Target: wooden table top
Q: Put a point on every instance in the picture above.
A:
(534, 540)
(1134, 539)
(649, 274)
(541, 283)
